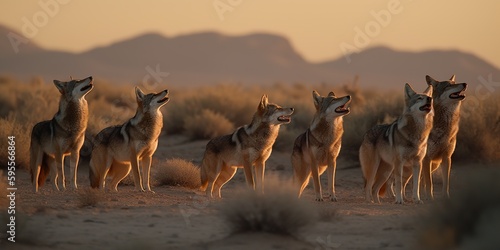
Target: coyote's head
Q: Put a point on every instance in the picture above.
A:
(330, 107)
(272, 113)
(447, 93)
(74, 90)
(418, 103)
(150, 103)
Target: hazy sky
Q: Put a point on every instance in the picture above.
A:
(317, 28)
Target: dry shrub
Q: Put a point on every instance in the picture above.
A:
(206, 125)
(286, 139)
(11, 126)
(234, 102)
(366, 113)
(477, 137)
(177, 172)
(110, 105)
(277, 211)
(89, 197)
(469, 219)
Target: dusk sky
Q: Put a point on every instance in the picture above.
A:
(318, 29)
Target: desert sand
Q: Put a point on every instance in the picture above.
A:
(182, 218)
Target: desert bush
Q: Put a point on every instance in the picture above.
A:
(377, 109)
(89, 197)
(469, 219)
(104, 114)
(234, 102)
(176, 172)
(477, 137)
(277, 211)
(286, 139)
(207, 125)
(10, 126)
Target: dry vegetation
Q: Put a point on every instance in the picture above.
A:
(470, 219)
(89, 197)
(277, 211)
(176, 172)
(209, 111)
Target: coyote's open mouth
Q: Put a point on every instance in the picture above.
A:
(458, 95)
(343, 109)
(285, 118)
(426, 107)
(164, 99)
(87, 87)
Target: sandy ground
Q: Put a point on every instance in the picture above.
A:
(181, 218)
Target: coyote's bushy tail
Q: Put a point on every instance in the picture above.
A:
(209, 161)
(93, 177)
(383, 190)
(44, 173)
(203, 175)
(95, 165)
(44, 166)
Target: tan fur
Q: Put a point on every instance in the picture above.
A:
(387, 149)
(53, 140)
(443, 136)
(130, 146)
(248, 147)
(316, 150)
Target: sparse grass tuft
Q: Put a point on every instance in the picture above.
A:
(206, 125)
(469, 219)
(278, 211)
(21, 130)
(177, 172)
(89, 197)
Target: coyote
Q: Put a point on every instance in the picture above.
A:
(447, 97)
(316, 150)
(248, 146)
(53, 140)
(387, 149)
(119, 149)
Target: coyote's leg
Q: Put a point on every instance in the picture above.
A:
(332, 167)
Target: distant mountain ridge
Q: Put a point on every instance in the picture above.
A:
(209, 57)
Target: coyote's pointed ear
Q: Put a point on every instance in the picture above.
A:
(452, 78)
(331, 94)
(59, 86)
(428, 90)
(316, 99)
(430, 80)
(139, 94)
(409, 92)
(263, 102)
